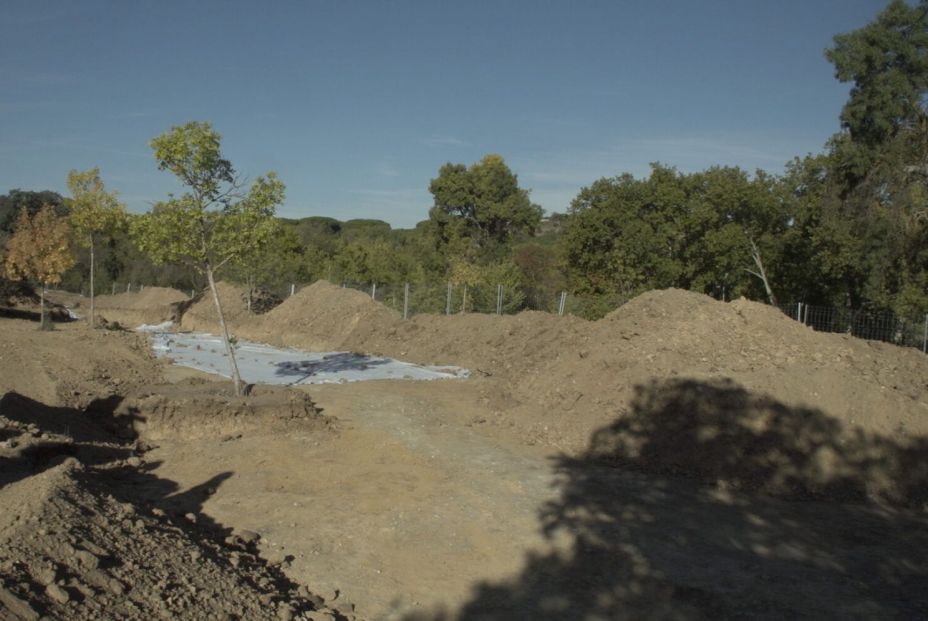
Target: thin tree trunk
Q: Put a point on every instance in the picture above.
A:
(92, 324)
(42, 308)
(761, 273)
(236, 378)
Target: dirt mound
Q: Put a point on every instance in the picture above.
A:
(876, 387)
(325, 317)
(201, 314)
(152, 305)
(719, 433)
(555, 380)
(73, 365)
(197, 408)
(70, 549)
(88, 532)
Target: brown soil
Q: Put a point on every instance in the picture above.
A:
(557, 379)
(681, 458)
(201, 315)
(152, 305)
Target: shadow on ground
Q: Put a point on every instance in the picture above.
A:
(708, 501)
(331, 363)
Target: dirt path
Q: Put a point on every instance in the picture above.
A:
(404, 510)
(412, 509)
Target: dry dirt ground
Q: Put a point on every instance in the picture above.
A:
(680, 459)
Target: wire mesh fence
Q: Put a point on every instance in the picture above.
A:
(411, 299)
(875, 325)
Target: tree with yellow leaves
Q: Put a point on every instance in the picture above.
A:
(95, 213)
(39, 250)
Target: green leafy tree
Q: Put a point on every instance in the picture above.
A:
(95, 214)
(39, 250)
(887, 61)
(213, 223)
(481, 205)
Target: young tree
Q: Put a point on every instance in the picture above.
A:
(39, 250)
(212, 223)
(95, 214)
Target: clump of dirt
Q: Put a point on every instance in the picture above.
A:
(201, 314)
(196, 408)
(152, 305)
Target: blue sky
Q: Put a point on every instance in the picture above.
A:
(356, 105)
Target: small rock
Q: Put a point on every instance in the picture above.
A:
(57, 594)
(18, 607)
(87, 559)
(285, 613)
(134, 462)
(190, 517)
(248, 536)
(46, 575)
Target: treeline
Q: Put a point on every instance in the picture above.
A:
(847, 227)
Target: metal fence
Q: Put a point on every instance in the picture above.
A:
(875, 325)
(447, 298)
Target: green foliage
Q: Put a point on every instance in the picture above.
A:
(624, 236)
(212, 223)
(94, 211)
(887, 61)
(481, 207)
(13, 202)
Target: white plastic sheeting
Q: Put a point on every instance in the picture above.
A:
(264, 364)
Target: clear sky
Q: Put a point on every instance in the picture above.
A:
(357, 104)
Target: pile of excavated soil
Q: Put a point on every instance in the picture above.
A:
(201, 314)
(556, 380)
(87, 531)
(73, 365)
(324, 317)
(152, 305)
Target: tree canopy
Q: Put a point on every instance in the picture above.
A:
(481, 204)
(214, 222)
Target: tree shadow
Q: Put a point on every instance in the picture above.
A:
(330, 363)
(708, 501)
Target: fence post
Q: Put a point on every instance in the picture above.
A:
(405, 300)
(114, 289)
(499, 299)
(799, 311)
(128, 286)
(805, 315)
(448, 300)
(373, 291)
(563, 302)
(925, 338)
(292, 288)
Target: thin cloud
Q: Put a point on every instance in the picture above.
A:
(385, 170)
(443, 141)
